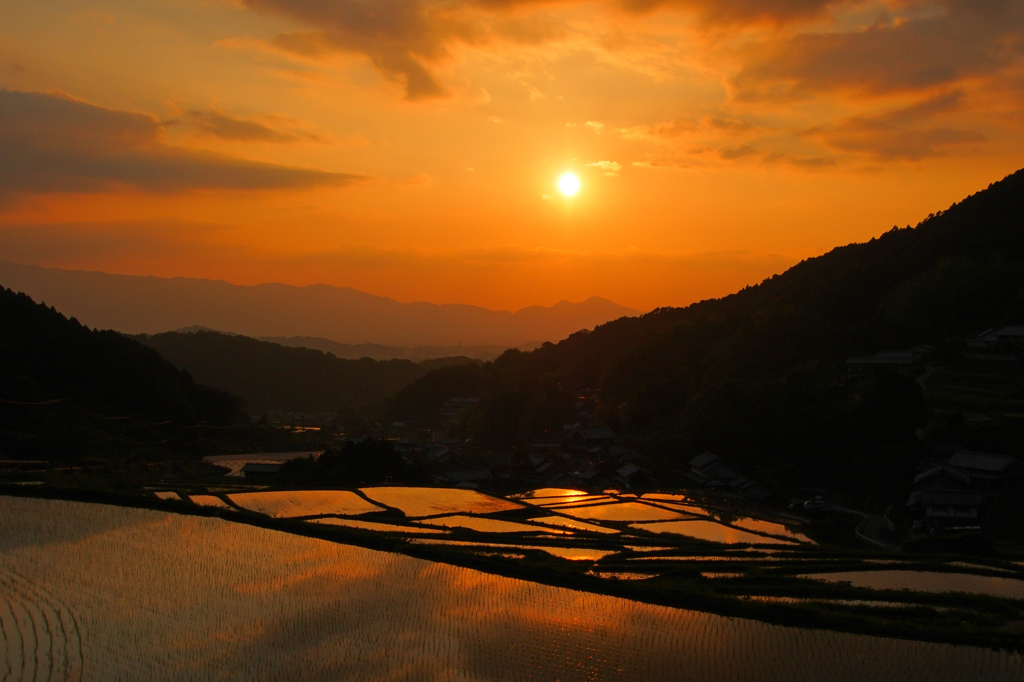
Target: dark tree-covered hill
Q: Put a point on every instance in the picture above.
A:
(45, 356)
(274, 377)
(758, 375)
(68, 391)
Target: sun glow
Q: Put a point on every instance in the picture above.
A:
(569, 184)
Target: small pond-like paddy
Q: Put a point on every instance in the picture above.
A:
(928, 581)
(285, 504)
(431, 501)
(709, 530)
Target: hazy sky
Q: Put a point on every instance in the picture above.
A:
(411, 148)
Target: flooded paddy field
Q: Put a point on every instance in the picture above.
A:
(94, 592)
(672, 543)
(927, 581)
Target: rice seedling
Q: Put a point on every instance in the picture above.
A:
(770, 528)
(485, 525)
(571, 553)
(294, 503)
(570, 502)
(669, 497)
(623, 511)
(416, 502)
(575, 524)
(553, 492)
(375, 526)
(618, 575)
(210, 501)
(709, 530)
(680, 502)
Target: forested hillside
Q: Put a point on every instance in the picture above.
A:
(274, 377)
(759, 375)
(63, 384)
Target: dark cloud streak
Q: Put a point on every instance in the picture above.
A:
(738, 12)
(54, 143)
(398, 36)
(218, 124)
(903, 134)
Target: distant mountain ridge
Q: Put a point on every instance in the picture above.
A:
(147, 305)
(377, 351)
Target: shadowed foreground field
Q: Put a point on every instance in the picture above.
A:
(93, 592)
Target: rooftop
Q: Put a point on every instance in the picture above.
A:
(981, 461)
(956, 498)
(946, 469)
(704, 459)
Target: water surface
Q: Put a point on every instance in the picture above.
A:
(928, 581)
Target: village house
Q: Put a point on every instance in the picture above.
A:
(709, 470)
(954, 494)
(947, 509)
(258, 471)
(942, 477)
(986, 470)
(886, 361)
(466, 478)
(1005, 344)
(589, 437)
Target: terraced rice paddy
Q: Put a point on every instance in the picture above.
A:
(91, 592)
(623, 511)
(416, 502)
(554, 492)
(167, 495)
(573, 524)
(485, 525)
(209, 501)
(759, 526)
(708, 530)
(678, 502)
(293, 503)
(374, 526)
(569, 553)
(234, 463)
(574, 501)
(927, 581)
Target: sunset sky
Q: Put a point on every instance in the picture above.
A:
(412, 148)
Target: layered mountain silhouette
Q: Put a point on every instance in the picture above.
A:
(271, 376)
(148, 305)
(377, 351)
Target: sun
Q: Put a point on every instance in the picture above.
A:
(569, 184)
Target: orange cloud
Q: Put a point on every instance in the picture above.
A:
(954, 41)
(900, 134)
(733, 12)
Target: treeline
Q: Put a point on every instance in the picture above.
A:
(758, 375)
(356, 463)
(274, 377)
